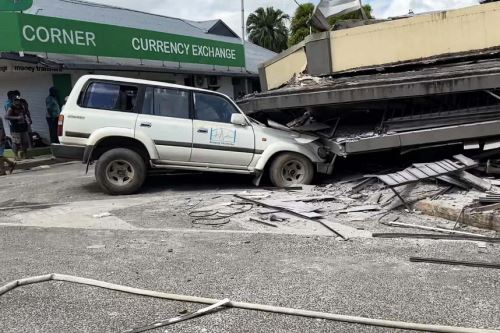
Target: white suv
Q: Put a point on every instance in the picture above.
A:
(130, 126)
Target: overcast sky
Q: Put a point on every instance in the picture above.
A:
(230, 10)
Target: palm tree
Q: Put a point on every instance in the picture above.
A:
(267, 28)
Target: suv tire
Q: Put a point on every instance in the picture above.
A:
(120, 171)
(291, 169)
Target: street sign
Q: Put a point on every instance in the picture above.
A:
(15, 5)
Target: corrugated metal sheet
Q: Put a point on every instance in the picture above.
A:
(422, 171)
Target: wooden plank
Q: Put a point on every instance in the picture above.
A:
(475, 181)
(408, 175)
(445, 166)
(456, 165)
(312, 199)
(486, 208)
(452, 165)
(386, 179)
(437, 237)
(417, 173)
(465, 160)
(400, 179)
(453, 181)
(429, 172)
(440, 170)
(367, 208)
(421, 227)
(363, 184)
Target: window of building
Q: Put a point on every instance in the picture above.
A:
(166, 102)
(110, 96)
(214, 108)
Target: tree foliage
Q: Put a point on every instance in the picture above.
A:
(267, 28)
(301, 27)
(356, 15)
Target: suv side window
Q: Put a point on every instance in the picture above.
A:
(210, 107)
(110, 96)
(166, 102)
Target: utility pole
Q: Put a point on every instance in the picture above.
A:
(243, 33)
(243, 22)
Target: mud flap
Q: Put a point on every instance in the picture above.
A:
(258, 178)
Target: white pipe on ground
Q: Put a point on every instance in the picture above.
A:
(240, 305)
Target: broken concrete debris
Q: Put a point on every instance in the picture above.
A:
(335, 206)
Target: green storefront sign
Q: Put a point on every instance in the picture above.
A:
(15, 5)
(30, 33)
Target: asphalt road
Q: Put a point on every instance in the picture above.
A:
(147, 243)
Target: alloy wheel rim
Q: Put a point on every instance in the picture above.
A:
(293, 172)
(120, 172)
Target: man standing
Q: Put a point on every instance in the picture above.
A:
(19, 128)
(26, 110)
(53, 111)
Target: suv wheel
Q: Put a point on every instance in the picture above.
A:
(120, 171)
(291, 169)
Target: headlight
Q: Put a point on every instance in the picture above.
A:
(323, 152)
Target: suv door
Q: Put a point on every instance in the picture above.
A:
(166, 119)
(215, 139)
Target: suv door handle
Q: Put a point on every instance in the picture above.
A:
(145, 124)
(202, 130)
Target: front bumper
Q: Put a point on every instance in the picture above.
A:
(74, 153)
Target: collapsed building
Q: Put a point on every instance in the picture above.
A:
(414, 82)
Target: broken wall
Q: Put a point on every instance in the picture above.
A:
(470, 30)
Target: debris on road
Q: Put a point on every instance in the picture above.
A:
(455, 262)
(263, 222)
(437, 237)
(96, 247)
(414, 226)
(102, 215)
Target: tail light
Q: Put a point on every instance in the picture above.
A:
(60, 124)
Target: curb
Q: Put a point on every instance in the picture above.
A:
(30, 164)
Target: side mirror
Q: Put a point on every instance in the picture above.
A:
(238, 119)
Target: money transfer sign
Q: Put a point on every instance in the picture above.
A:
(32, 33)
